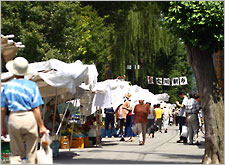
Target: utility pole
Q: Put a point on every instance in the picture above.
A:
(132, 71)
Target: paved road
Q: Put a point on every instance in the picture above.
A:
(162, 149)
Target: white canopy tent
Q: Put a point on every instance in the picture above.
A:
(162, 97)
(53, 74)
(110, 93)
(144, 94)
(57, 79)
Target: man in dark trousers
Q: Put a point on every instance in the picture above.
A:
(109, 119)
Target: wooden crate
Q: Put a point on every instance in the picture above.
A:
(77, 142)
(64, 142)
(86, 142)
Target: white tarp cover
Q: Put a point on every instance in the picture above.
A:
(110, 93)
(118, 89)
(143, 94)
(55, 73)
(162, 97)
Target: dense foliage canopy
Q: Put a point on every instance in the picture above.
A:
(142, 40)
(198, 23)
(62, 30)
(111, 37)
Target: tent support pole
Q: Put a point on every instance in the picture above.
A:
(74, 105)
(45, 107)
(56, 103)
(96, 138)
(64, 100)
(64, 113)
(97, 126)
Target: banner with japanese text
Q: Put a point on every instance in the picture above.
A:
(150, 80)
(175, 81)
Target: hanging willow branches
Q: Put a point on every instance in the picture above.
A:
(142, 40)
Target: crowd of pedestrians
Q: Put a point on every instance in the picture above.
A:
(145, 117)
(148, 119)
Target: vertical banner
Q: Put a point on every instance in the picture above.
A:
(175, 81)
(166, 81)
(183, 80)
(158, 81)
(150, 80)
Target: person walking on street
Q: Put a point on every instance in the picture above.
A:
(122, 112)
(158, 117)
(129, 118)
(182, 115)
(166, 117)
(192, 108)
(22, 98)
(151, 121)
(141, 112)
(109, 119)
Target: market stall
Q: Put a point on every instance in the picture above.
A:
(58, 82)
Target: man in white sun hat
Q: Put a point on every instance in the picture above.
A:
(22, 98)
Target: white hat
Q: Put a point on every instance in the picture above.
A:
(19, 66)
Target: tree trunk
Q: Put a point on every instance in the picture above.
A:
(212, 104)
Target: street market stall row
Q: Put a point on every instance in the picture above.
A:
(60, 82)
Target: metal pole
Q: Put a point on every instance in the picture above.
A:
(44, 110)
(133, 73)
(71, 137)
(64, 113)
(75, 105)
(56, 103)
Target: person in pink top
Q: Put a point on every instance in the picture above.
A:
(141, 112)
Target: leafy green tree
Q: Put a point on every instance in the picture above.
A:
(141, 39)
(62, 30)
(201, 27)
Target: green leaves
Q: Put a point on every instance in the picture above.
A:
(204, 20)
(111, 37)
(62, 30)
(142, 40)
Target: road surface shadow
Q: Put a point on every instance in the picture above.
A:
(110, 161)
(73, 158)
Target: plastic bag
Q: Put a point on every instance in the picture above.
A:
(184, 132)
(154, 128)
(46, 140)
(134, 129)
(44, 154)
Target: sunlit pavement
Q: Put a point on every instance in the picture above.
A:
(162, 149)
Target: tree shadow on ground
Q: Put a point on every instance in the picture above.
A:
(73, 158)
(113, 161)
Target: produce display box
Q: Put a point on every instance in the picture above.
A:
(77, 142)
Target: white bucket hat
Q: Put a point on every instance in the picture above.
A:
(19, 66)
